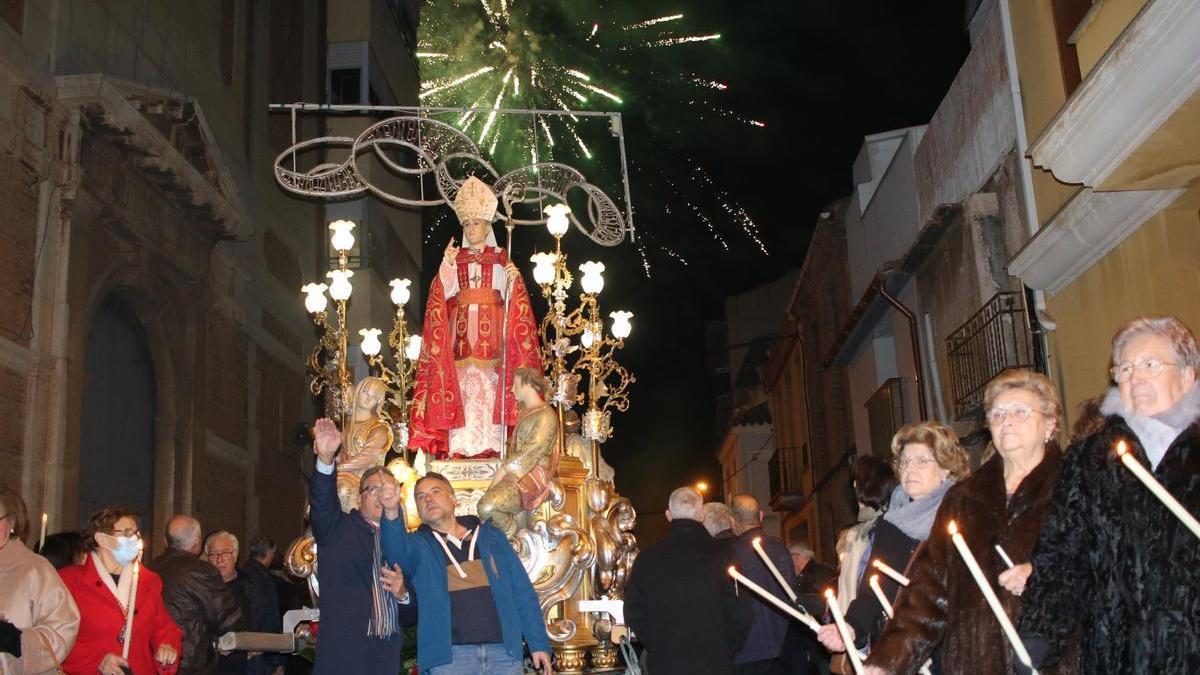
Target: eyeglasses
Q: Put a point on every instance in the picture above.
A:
(1148, 368)
(219, 555)
(372, 489)
(128, 532)
(915, 462)
(1018, 411)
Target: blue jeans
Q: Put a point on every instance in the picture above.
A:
(489, 659)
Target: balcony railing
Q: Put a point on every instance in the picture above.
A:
(785, 474)
(885, 415)
(995, 339)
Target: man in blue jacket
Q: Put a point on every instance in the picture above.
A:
(362, 606)
(477, 603)
(760, 653)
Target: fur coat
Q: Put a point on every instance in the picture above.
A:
(1113, 560)
(943, 606)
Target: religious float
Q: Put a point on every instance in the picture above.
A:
(444, 400)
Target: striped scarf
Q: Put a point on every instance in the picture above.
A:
(385, 620)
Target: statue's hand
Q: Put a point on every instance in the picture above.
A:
(451, 253)
(326, 440)
(511, 271)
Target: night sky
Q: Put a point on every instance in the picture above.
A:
(821, 74)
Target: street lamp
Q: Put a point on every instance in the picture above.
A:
(593, 277)
(370, 341)
(557, 222)
(400, 292)
(702, 487)
(343, 235)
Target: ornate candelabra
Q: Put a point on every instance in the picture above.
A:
(327, 363)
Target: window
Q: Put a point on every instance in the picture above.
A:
(345, 86)
(885, 415)
(1067, 16)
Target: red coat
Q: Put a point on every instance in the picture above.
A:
(101, 622)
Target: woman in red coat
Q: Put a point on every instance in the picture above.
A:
(102, 587)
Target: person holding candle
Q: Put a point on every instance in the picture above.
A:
(874, 483)
(1003, 503)
(753, 547)
(929, 461)
(1112, 559)
(38, 617)
(109, 582)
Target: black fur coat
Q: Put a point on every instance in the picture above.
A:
(1114, 560)
(943, 606)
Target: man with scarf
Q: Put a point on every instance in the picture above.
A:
(479, 328)
(363, 603)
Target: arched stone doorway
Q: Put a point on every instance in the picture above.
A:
(116, 461)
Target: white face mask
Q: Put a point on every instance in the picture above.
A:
(126, 550)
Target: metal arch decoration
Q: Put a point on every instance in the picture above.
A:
(435, 146)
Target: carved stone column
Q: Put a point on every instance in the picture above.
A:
(571, 654)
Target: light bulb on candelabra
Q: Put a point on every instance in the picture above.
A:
(588, 338)
(556, 220)
(339, 286)
(314, 299)
(543, 267)
(593, 277)
(343, 235)
(370, 341)
(400, 292)
(621, 328)
(412, 348)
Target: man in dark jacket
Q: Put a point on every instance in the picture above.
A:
(802, 654)
(256, 571)
(680, 601)
(195, 596)
(353, 637)
(761, 651)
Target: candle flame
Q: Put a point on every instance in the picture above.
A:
(757, 541)
(874, 579)
(953, 528)
(1122, 447)
(732, 570)
(828, 593)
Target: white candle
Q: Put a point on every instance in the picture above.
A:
(803, 617)
(844, 631)
(137, 564)
(1004, 556)
(990, 595)
(757, 544)
(1154, 486)
(886, 569)
(873, 582)
(42, 539)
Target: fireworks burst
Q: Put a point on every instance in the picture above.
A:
(534, 55)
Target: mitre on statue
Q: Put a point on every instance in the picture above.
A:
(475, 200)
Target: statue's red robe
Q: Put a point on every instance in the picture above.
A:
(462, 332)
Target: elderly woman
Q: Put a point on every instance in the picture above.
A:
(1112, 560)
(929, 461)
(38, 618)
(1003, 504)
(103, 587)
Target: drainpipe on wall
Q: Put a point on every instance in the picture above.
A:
(1045, 323)
(915, 346)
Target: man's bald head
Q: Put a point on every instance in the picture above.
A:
(747, 513)
(183, 534)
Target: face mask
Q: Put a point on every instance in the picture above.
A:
(126, 550)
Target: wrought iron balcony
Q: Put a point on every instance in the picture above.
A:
(995, 339)
(785, 474)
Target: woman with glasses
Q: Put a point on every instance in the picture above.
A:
(928, 461)
(38, 618)
(1112, 560)
(1001, 507)
(103, 588)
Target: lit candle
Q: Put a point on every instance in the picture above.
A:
(42, 539)
(137, 565)
(1004, 556)
(990, 595)
(803, 617)
(844, 631)
(757, 544)
(873, 582)
(886, 569)
(1154, 486)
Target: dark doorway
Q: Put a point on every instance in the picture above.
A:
(116, 462)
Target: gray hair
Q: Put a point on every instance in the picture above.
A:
(746, 510)
(183, 532)
(716, 517)
(801, 548)
(220, 534)
(685, 503)
(1170, 328)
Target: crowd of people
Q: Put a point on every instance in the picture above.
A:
(1097, 573)
(1093, 569)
